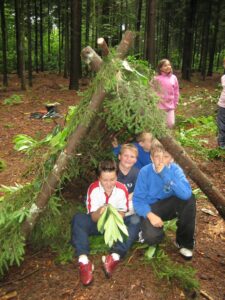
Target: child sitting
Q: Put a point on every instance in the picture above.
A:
(106, 190)
(127, 171)
(143, 144)
(162, 192)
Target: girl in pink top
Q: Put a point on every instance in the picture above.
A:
(167, 87)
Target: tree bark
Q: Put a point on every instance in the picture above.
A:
(66, 48)
(41, 36)
(75, 64)
(191, 7)
(4, 47)
(29, 51)
(192, 170)
(36, 36)
(150, 31)
(21, 43)
(103, 46)
(74, 141)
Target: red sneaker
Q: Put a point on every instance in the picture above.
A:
(86, 273)
(109, 265)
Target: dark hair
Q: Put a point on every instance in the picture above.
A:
(107, 166)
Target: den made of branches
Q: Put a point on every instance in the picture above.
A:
(118, 102)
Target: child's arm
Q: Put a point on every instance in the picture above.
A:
(116, 146)
(176, 92)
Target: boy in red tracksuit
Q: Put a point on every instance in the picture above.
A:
(106, 190)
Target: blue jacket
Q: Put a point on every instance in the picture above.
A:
(152, 187)
(143, 156)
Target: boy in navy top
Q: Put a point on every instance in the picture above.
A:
(127, 171)
(162, 193)
(143, 144)
(106, 190)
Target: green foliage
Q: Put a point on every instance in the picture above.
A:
(191, 133)
(165, 268)
(112, 224)
(13, 100)
(2, 165)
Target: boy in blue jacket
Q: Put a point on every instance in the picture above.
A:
(162, 192)
(143, 144)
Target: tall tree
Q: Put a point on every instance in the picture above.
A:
(87, 29)
(49, 31)
(4, 46)
(138, 9)
(205, 42)
(66, 47)
(29, 42)
(20, 13)
(41, 37)
(59, 38)
(75, 63)
(191, 7)
(17, 38)
(36, 36)
(150, 31)
(214, 38)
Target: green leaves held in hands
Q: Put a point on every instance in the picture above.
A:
(112, 224)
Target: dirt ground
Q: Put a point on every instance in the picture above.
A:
(40, 277)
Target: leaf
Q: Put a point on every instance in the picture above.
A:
(149, 253)
(102, 220)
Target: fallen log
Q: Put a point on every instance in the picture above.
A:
(49, 186)
(193, 171)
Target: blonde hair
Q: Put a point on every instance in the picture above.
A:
(161, 63)
(142, 136)
(156, 147)
(130, 147)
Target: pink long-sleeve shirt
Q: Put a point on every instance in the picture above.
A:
(221, 101)
(167, 88)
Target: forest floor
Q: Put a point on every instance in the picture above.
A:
(40, 277)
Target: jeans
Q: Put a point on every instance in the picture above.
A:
(221, 126)
(83, 226)
(169, 209)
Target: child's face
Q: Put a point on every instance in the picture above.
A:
(166, 67)
(127, 159)
(108, 181)
(168, 159)
(146, 143)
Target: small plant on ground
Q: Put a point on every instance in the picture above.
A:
(13, 100)
(2, 165)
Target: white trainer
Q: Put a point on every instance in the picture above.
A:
(186, 253)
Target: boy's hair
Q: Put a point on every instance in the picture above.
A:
(107, 166)
(161, 63)
(156, 147)
(142, 136)
(130, 147)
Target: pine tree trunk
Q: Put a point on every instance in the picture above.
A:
(75, 63)
(41, 36)
(29, 43)
(66, 48)
(191, 7)
(51, 183)
(138, 26)
(192, 170)
(4, 47)
(87, 22)
(59, 38)
(214, 39)
(36, 36)
(150, 32)
(21, 43)
(17, 38)
(49, 32)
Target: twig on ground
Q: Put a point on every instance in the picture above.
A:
(203, 293)
(21, 278)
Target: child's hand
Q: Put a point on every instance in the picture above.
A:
(155, 220)
(115, 143)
